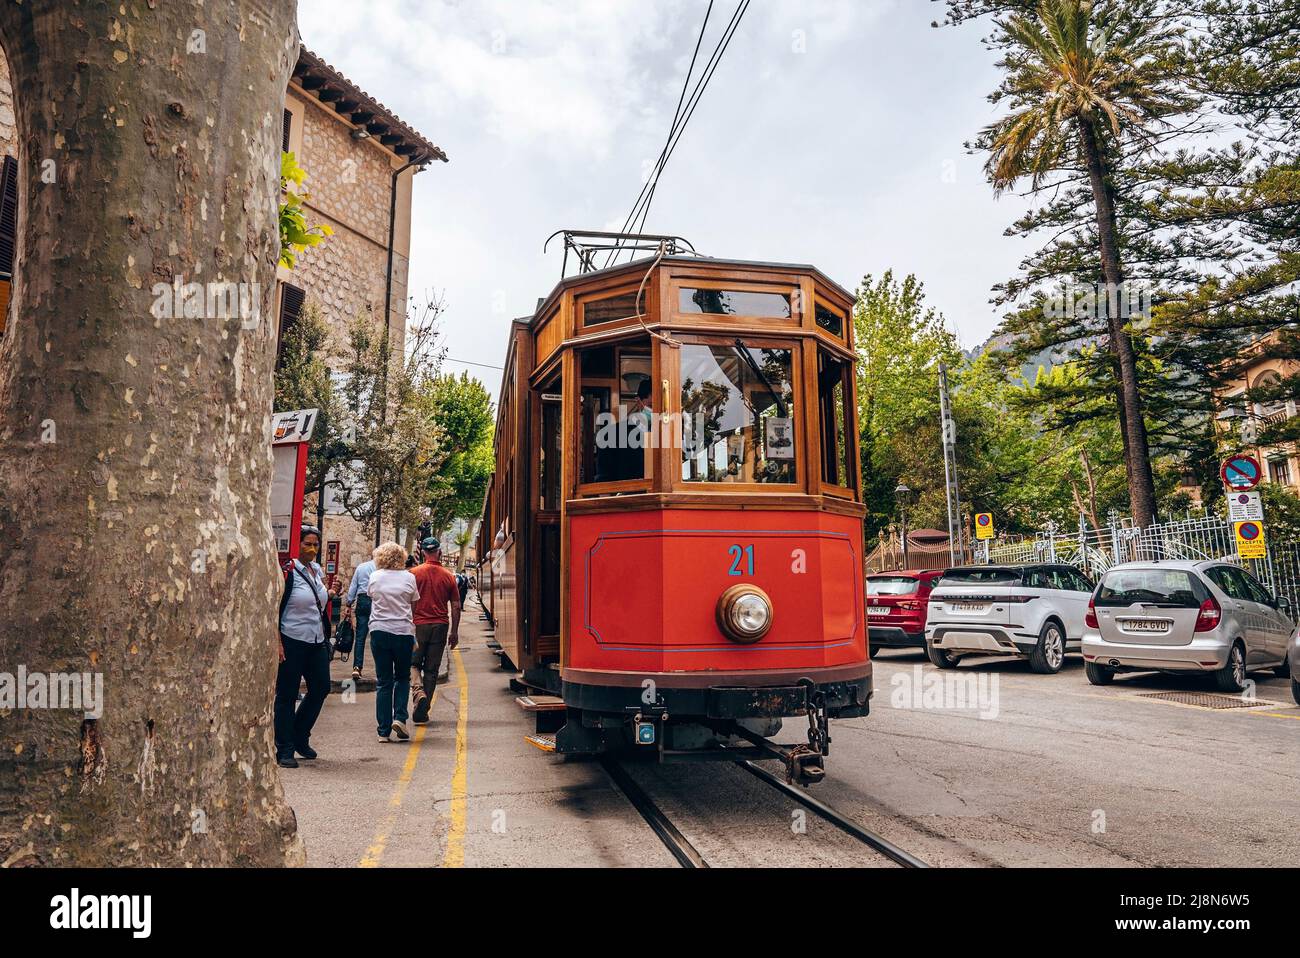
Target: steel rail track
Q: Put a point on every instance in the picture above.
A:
(688, 856)
(864, 835)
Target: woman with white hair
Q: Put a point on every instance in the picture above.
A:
(393, 594)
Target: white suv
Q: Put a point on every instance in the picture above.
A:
(1034, 611)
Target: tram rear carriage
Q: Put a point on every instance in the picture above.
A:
(675, 522)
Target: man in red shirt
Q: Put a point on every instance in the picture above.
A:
(436, 617)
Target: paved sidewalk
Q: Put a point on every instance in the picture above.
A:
(465, 790)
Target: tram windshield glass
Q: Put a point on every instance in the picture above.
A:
(738, 411)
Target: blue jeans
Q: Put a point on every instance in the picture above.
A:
(362, 611)
(392, 655)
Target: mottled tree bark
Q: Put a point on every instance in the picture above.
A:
(135, 463)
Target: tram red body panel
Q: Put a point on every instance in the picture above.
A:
(644, 587)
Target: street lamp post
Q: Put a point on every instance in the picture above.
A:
(901, 492)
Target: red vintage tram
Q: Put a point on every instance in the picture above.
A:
(672, 542)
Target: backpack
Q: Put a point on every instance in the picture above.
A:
(462, 586)
(289, 569)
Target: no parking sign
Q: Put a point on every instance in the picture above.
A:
(1250, 540)
(984, 525)
(1240, 473)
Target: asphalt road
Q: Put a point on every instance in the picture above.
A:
(1056, 772)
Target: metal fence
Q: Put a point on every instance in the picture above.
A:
(1201, 537)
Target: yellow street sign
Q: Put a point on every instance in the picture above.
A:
(984, 525)
(1250, 539)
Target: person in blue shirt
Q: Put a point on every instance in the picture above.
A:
(358, 608)
(304, 651)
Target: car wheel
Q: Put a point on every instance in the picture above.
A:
(941, 658)
(1232, 677)
(1099, 674)
(873, 651)
(1283, 671)
(1049, 654)
(1295, 691)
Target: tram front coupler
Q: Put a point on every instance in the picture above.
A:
(806, 764)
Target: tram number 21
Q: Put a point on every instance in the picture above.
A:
(742, 560)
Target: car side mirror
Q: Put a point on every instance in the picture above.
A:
(1284, 604)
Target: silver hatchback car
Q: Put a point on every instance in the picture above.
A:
(1176, 616)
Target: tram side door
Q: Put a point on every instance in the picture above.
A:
(544, 626)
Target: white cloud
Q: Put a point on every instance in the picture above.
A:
(551, 109)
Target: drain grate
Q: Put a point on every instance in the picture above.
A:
(1209, 700)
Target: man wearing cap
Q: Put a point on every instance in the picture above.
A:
(437, 623)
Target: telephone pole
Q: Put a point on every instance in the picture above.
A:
(956, 547)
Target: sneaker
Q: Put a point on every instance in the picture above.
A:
(286, 761)
(399, 729)
(356, 673)
(421, 713)
(386, 736)
(444, 675)
(305, 750)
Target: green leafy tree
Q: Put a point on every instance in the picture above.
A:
(464, 418)
(397, 443)
(900, 342)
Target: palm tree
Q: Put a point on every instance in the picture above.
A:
(1083, 80)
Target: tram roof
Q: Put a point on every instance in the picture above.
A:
(638, 265)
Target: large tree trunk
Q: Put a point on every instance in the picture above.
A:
(1137, 455)
(135, 460)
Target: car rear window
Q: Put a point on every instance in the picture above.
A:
(1170, 587)
(981, 577)
(891, 585)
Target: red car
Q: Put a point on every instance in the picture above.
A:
(896, 607)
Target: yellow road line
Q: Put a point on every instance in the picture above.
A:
(1137, 697)
(1295, 716)
(377, 845)
(455, 856)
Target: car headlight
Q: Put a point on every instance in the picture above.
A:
(744, 613)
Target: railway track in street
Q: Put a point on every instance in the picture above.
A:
(688, 856)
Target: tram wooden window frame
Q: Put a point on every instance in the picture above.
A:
(583, 300)
(850, 464)
(631, 337)
(845, 319)
(791, 290)
(795, 345)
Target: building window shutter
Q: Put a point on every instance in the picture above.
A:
(8, 233)
(8, 216)
(288, 126)
(291, 300)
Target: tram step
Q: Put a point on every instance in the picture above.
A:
(545, 742)
(540, 703)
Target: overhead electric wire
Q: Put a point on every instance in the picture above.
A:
(675, 135)
(676, 116)
(680, 120)
(710, 69)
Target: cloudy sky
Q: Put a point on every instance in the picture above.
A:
(830, 134)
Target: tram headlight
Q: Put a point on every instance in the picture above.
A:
(744, 613)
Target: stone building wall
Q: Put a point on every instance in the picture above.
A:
(348, 182)
(8, 128)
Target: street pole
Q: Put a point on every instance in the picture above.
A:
(901, 494)
(956, 547)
